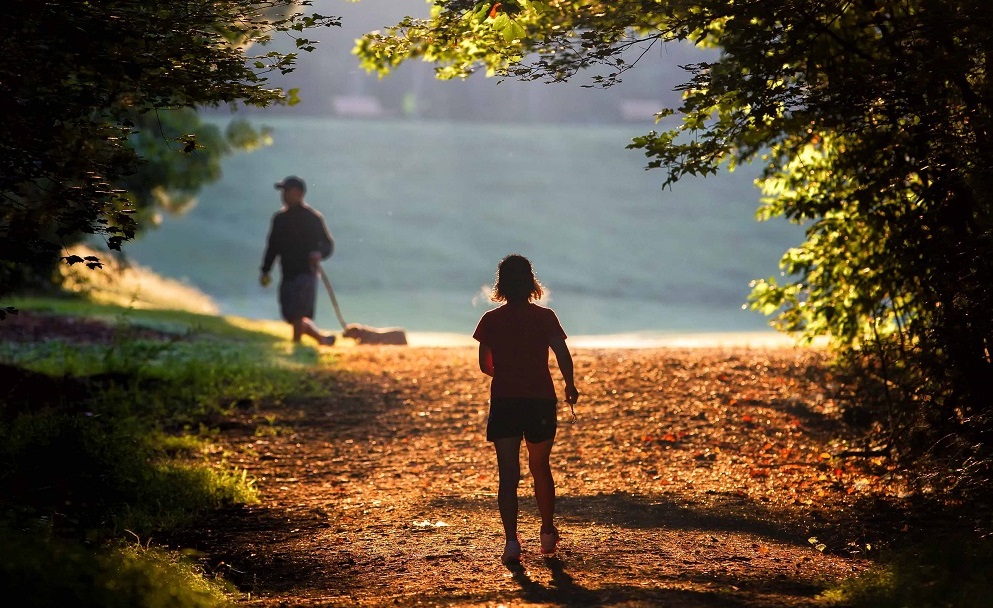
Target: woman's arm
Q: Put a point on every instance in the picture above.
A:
(485, 359)
(564, 359)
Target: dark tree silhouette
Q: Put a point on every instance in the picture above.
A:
(87, 87)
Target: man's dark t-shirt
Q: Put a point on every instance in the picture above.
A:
(295, 232)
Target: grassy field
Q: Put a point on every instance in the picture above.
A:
(105, 441)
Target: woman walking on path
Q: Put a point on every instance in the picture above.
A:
(513, 349)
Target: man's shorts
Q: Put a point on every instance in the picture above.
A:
(296, 297)
(533, 419)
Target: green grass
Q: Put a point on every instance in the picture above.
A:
(124, 450)
(111, 454)
(122, 576)
(172, 321)
(950, 571)
(209, 354)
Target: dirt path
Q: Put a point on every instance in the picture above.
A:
(691, 478)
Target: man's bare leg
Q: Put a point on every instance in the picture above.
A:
(306, 327)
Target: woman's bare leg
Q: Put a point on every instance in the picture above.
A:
(509, 467)
(544, 485)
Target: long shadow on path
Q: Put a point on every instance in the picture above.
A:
(563, 590)
(729, 514)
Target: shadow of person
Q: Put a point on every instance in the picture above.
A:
(560, 578)
(562, 589)
(531, 589)
(565, 588)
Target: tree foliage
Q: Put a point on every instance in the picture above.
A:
(872, 119)
(172, 172)
(92, 93)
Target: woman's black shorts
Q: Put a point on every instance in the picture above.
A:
(533, 419)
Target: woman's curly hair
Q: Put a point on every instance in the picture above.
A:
(515, 281)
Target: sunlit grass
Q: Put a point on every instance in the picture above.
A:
(168, 320)
(130, 285)
(125, 451)
(104, 474)
(221, 338)
(173, 383)
(48, 572)
(176, 490)
(948, 571)
(134, 295)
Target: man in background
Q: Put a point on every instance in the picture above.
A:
(300, 239)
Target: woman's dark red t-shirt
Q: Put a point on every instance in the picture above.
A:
(519, 336)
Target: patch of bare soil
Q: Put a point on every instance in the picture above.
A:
(22, 390)
(697, 478)
(32, 327)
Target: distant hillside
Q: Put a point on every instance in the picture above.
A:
(331, 82)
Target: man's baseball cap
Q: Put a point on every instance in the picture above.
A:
(291, 181)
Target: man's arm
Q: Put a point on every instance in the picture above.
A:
(326, 241)
(564, 359)
(271, 251)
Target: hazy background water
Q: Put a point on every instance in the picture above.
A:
(422, 211)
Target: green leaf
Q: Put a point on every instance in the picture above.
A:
(293, 96)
